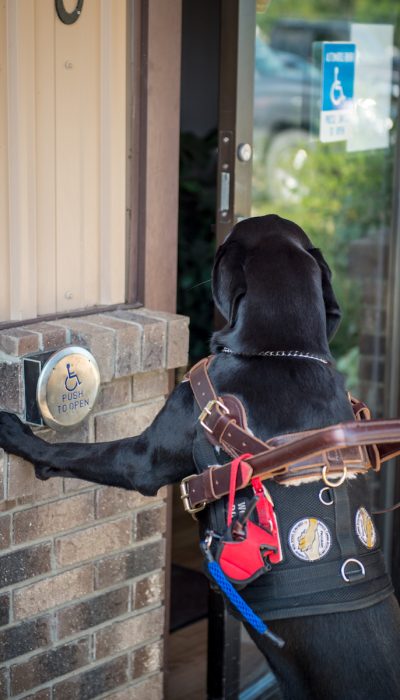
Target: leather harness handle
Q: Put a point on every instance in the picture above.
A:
(230, 430)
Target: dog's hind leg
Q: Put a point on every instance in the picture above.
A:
(352, 655)
(289, 670)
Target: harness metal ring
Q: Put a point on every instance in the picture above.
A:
(326, 503)
(333, 484)
(343, 569)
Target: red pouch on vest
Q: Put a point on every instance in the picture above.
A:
(247, 549)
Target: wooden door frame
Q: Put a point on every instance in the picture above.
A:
(153, 190)
(155, 30)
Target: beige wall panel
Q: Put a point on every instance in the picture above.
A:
(113, 151)
(4, 243)
(77, 159)
(21, 157)
(62, 157)
(45, 19)
(162, 154)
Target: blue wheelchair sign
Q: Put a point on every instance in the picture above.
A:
(338, 71)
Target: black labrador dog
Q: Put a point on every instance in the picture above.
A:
(273, 288)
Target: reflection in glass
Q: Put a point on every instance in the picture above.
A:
(340, 193)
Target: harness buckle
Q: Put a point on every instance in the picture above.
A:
(185, 497)
(207, 410)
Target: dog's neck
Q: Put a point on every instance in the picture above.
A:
(258, 328)
(241, 342)
(293, 354)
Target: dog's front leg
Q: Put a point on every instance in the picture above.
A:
(162, 454)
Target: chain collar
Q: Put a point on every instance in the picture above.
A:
(280, 353)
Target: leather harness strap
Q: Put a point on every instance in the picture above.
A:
(224, 420)
(353, 447)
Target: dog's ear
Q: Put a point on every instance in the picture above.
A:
(228, 280)
(333, 313)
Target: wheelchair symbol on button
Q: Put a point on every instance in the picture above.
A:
(71, 380)
(336, 92)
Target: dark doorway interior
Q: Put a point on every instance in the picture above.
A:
(197, 194)
(197, 236)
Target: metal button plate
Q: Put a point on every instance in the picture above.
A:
(67, 387)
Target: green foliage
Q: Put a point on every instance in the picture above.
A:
(346, 197)
(368, 11)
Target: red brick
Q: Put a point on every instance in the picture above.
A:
(23, 482)
(3, 684)
(4, 609)
(51, 336)
(52, 518)
(53, 591)
(149, 689)
(128, 343)
(89, 613)
(150, 522)
(149, 591)
(71, 485)
(153, 341)
(126, 422)
(177, 336)
(43, 667)
(5, 536)
(94, 542)
(44, 694)
(21, 564)
(136, 562)
(2, 474)
(24, 637)
(79, 433)
(128, 633)
(147, 659)
(115, 501)
(19, 341)
(7, 505)
(117, 393)
(100, 341)
(124, 694)
(11, 386)
(95, 682)
(149, 385)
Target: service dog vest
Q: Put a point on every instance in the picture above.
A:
(330, 545)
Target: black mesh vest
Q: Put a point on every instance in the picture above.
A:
(331, 556)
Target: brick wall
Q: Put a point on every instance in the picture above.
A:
(82, 567)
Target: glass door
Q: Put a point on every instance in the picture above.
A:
(326, 93)
(308, 129)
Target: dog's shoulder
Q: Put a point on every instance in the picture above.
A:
(282, 395)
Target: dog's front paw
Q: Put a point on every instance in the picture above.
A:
(12, 432)
(41, 473)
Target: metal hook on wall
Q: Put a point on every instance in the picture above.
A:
(68, 17)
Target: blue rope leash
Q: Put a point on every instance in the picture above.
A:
(237, 601)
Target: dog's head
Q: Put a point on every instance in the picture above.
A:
(273, 288)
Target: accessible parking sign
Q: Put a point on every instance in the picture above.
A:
(337, 94)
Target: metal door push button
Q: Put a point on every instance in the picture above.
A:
(67, 387)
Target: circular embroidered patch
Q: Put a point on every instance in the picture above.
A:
(365, 528)
(309, 539)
